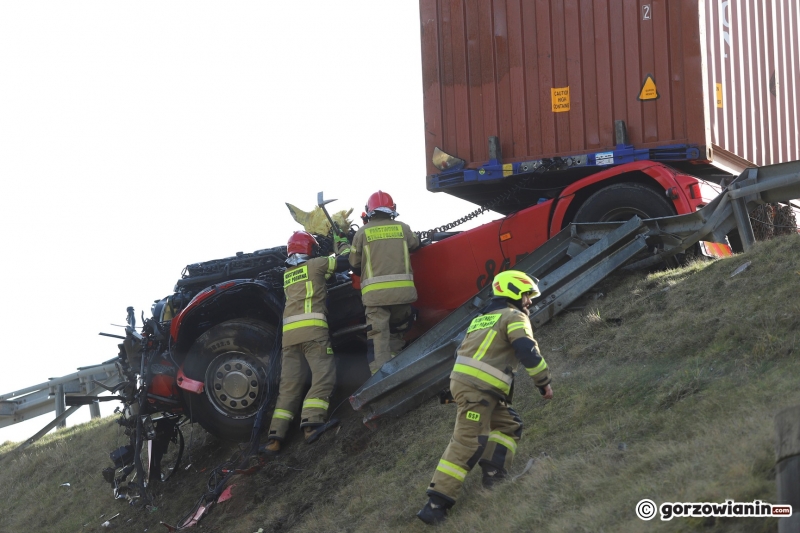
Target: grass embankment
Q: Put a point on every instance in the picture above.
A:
(665, 389)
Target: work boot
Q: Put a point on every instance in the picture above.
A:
(492, 476)
(312, 433)
(273, 447)
(433, 513)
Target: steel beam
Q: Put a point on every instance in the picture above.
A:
(422, 369)
(570, 264)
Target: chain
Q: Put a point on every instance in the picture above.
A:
(507, 195)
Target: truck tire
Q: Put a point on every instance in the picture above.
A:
(239, 365)
(620, 202)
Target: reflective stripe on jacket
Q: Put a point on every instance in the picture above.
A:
(304, 316)
(486, 359)
(381, 249)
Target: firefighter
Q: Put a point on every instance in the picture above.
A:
(487, 429)
(306, 345)
(379, 254)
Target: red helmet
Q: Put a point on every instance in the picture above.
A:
(381, 201)
(302, 242)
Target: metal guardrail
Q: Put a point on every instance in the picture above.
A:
(569, 265)
(38, 400)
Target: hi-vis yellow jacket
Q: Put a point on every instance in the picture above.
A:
(486, 359)
(305, 315)
(380, 249)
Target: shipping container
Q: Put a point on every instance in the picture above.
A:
(707, 86)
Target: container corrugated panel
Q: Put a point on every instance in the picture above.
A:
(753, 64)
(550, 77)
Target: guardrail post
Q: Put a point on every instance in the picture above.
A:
(740, 212)
(743, 223)
(787, 466)
(94, 408)
(61, 405)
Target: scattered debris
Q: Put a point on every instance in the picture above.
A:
(226, 494)
(741, 269)
(65, 485)
(622, 446)
(192, 520)
(107, 523)
(527, 467)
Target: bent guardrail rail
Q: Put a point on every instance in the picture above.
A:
(38, 400)
(569, 265)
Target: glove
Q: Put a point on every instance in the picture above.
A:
(341, 245)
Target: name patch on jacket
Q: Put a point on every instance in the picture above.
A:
(293, 276)
(384, 232)
(483, 322)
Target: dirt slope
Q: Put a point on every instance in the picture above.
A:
(665, 389)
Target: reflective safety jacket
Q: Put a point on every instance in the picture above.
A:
(486, 357)
(305, 314)
(380, 249)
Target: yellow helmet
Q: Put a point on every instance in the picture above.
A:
(513, 284)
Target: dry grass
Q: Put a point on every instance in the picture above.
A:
(665, 389)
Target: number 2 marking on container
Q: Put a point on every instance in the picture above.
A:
(646, 12)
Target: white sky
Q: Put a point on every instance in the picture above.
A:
(139, 137)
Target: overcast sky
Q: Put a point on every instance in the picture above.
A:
(138, 137)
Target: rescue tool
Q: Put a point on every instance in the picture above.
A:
(322, 203)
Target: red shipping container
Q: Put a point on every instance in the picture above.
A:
(550, 77)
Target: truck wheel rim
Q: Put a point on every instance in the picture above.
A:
(623, 214)
(233, 384)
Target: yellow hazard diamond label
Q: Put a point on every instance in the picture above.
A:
(649, 90)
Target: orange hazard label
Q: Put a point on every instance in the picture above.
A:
(719, 95)
(649, 90)
(560, 96)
